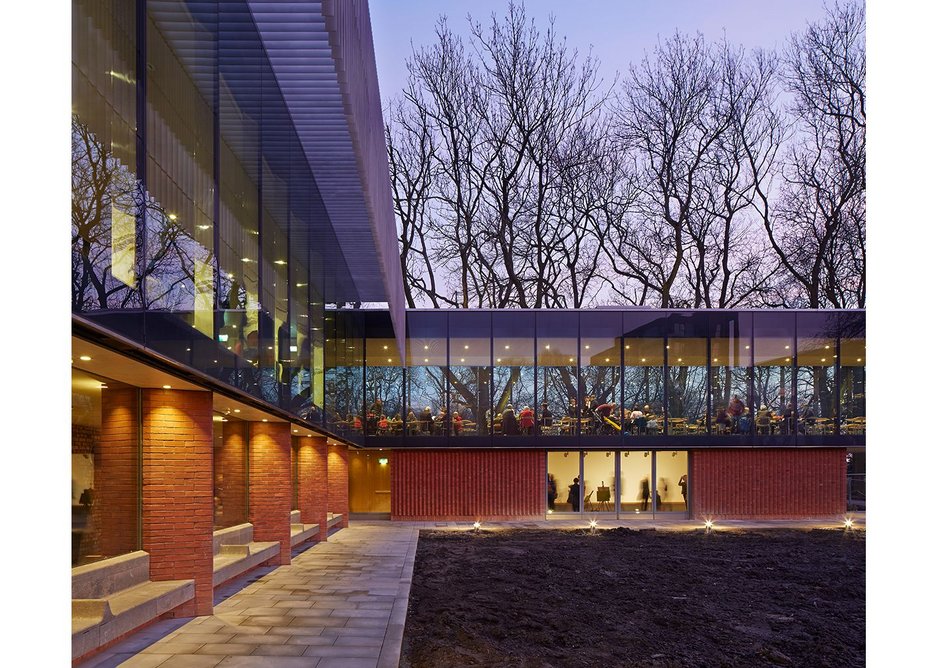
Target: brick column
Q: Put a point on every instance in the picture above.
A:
(338, 481)
(177, 491)
(231, 475)
(113, 526)
(314, 477)
(270, 480)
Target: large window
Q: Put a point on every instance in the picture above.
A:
(600, 376)
(643, 380)
(773, 408)
(556, 374)
(384, 388)
(105, 468)
(852, 358)
(635, 484)
(817, 394)
(730, 368)
(513, 373)
(599, 482)
(344, 376)
(427, 413)
(470, 374)
(564, 488)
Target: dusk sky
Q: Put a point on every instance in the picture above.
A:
(619, 31)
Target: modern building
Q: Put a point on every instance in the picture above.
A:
(230, 201)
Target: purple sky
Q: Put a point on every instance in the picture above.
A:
(618, 30)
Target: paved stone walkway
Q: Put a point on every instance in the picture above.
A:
(342, 603)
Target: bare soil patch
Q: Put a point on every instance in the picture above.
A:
(624, 597)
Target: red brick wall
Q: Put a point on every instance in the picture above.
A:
(468, 484)
(177, 491)
(313, 481)
(231, 475)
(338, 481)
(776, 483)
(271, 494)
(114, 512)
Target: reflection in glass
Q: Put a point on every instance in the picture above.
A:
(817, 395)
(470, 379)
(513, 374)
(853, 385)
(384, 388)
(687, 386)
(344, 380)
(556, 374)
(426, 387)
(644, 384)
(729, 386)
(600, 377)
(773, 374)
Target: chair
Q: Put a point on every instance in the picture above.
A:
(677, 426)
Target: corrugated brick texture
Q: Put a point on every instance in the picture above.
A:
(468, 484)
(338, 481)
(313, 493)
(116, 462)
(768, 483)
(177, 491)
(271, 495)
(231, 475)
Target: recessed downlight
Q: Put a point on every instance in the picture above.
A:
(85, 358)
(167, 387)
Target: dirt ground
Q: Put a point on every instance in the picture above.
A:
(624, 597)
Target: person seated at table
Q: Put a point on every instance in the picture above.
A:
(426, 420)
(457, 423)
(526, 420)
(443, 421)
(745, 422)
(723, 421)
(396, 424)
(547, 418)
(510, 422)
(808, 417)
(412, 424)
(651, 425)
(764, 420)
(383, 423)
(606, 413)
(357, 423)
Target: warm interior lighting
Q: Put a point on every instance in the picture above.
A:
(85, 358)
(747, 347)
(587, 347)
(245, 259)
(280, 261)
(627, 347)
(172, 216)
(643, 359)
(547, 346)
(425, 359)
(461, 359)
(607, 359)
(205, 227)
(507, 347)
(679, 359)
(296, 431)
(237, 410)
(571, 359)
(426, 347)
(827, 347)
(385, 347)
(465, 347)
(389, 359)
(167, 387)
(858, 359)
(823, 359)
(263, 419)
(103, 386)
(787, 347)
(499, 359)
(383, 461)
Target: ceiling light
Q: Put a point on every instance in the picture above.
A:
(678, 359)
(245, 259)
(237, 410)
(389, 359)
(747, 347)
(643, 359)
(827, 347)
(296, 431)
(425, 359)
(507, 347)
(172, 216)
(547, 346)
(499, 359)
(426, 347)
(587, 347)
(263, 419)
(462, 359)
(280, 261)
(103, 386)
(465, 347)
(787, 347)
(627, 347)
(571, 359)
(205, 227)
(85, 358)
(823, 359)
(167, 387)
(858, 359)
(385, 347)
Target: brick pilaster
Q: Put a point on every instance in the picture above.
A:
(338, 481)
(270, 481)
(177, 491)
(313, 481)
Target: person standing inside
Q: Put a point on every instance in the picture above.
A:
(646, 493)
(510, 422)
(574, 497)
(551, 491)
(683, 483)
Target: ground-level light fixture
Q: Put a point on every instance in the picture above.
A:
(708, 526)
(593, 524)
(848, 523)
(476, 526)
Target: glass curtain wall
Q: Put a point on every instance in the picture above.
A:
(557, 388)
(195, 215)
(686, 351)
(643, 384)
(344, 377)
(635, 482)
(384, 388)
(427, 413)
(469, 376)
(671, 485)
(816, 382)
(730, 371)
(599, 482)
(852, 357)
(564, 489)
(600, 374)
(773, 405)
(514, 397)
(105, 468)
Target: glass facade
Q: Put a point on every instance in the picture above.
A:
(197, 227)
(599, 379)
